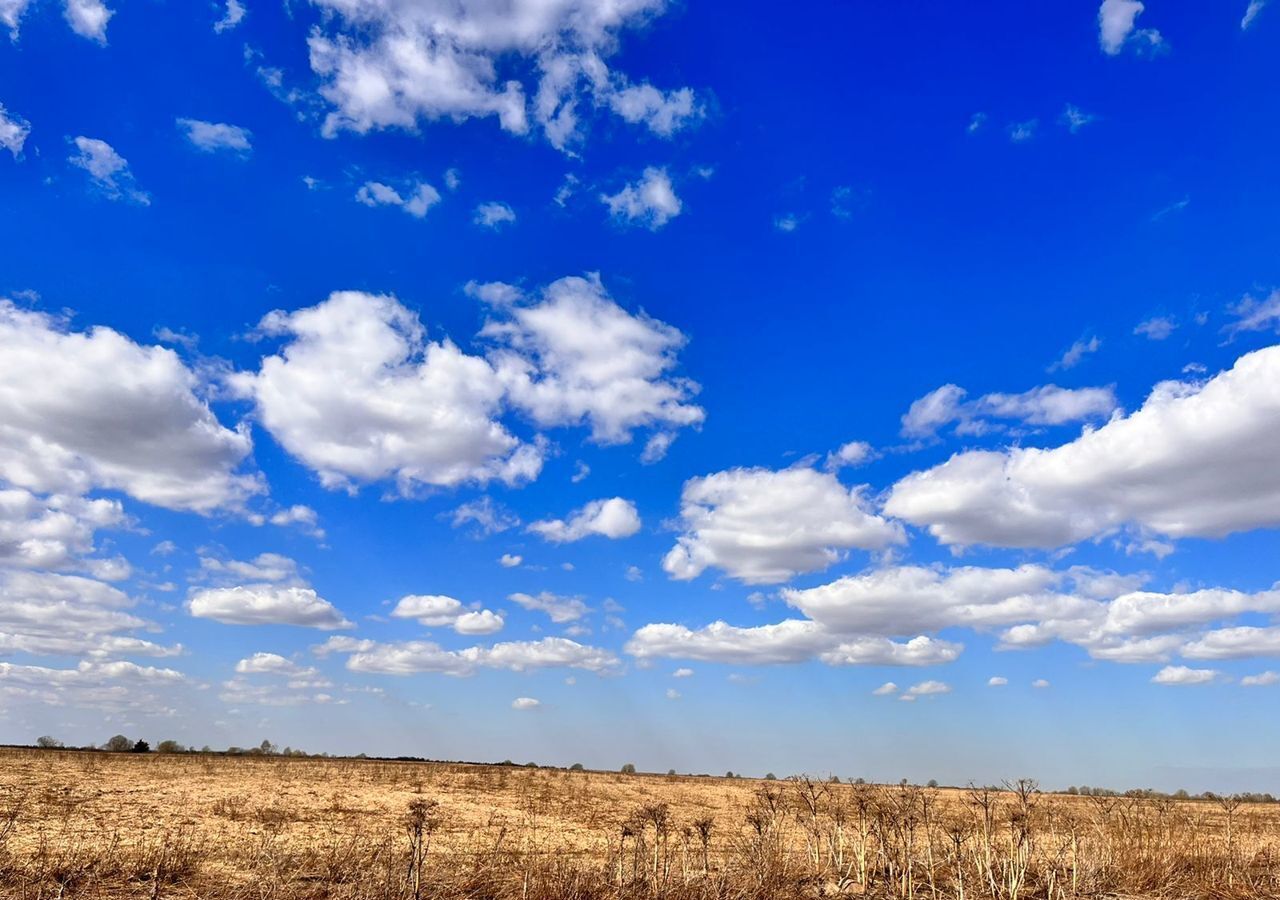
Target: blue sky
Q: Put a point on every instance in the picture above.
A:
(613, 382)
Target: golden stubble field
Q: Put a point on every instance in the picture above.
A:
(81, 824)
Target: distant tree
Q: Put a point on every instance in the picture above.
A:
(859, 781)
(206, 749)
(118, 744)
(629, 769)
(45, 742)
(170, 747)
(577, 767)
(933, 783)
(266, 748)
(1181, 794)
(141, 747)
(769, 776)
(834, 779)
(730, 774)
(671, 771)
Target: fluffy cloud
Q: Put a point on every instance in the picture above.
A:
(211, 136)
(997, 681)
(1157, 328)
(789, 641)
(389, 64)
(263, 567)
(574, 356)
(416, 201)
(88, 18)
(113, 685)
(877, 651)
(360, 395)
(655, 449)
(1044, 405)
(45, 613)
(53, 532)
(272, 664)
(763, 527)
(792, 640)
(231, 17)
(303, 516)
(266, 604)
(65, 429)
(493, 215)
(108, 170)
(613, 518)
(1180, 675)
(1262, 679)
(664, 113)
(525, 703)
(1241, 642)
(926, 689)
(439, 611)
(908, 599)
(487, 516)
(412, 657)
(1117, 21)
(650, 202)
(1145, 626)
(1195, 460)
(558, 609)
(850, 455)
(477, 622)
(13, 128)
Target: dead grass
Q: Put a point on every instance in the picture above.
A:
(269, 828)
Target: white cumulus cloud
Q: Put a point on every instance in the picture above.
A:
(13, 128)
(762, 526)
(266, 604)
(391, 64)
(1182, 675)
(145, 431)
(650, 202)
(572, 355)
(1195, 460)
(613, 518)
(360, 394)
(212, 136)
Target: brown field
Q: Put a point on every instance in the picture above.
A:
(120, 825)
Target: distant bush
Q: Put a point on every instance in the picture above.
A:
(629, 769)
(44, 742)
(577, 767)
(118, 744)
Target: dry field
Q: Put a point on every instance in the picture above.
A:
(120, 825)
